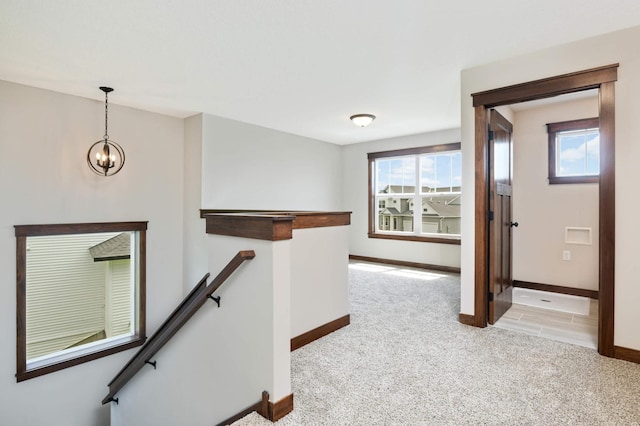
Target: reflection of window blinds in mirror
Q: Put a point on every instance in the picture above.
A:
(576, 235)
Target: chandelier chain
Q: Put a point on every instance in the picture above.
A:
(106, 112)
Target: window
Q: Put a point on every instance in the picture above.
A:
(415, 194)
(80, 293)
(574, 151)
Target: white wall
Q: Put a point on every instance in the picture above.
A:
(219, 363)
(319, 277)
(618, 47)
(195, 237)
(251, 167)
(543, 211)
(355, 199)
(44, 178)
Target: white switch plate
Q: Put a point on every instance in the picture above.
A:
(566, 255)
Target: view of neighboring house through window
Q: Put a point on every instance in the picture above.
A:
(79, 291)
(574, 151)
(416, 192)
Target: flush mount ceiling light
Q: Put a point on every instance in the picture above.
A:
(105, 157)
(362, 120)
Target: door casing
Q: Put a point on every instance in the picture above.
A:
(602, 78)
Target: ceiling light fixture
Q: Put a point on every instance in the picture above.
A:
(362, 120)
(107, 154)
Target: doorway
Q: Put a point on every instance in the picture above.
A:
(555, 274)
(603, 79)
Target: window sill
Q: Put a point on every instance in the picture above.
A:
(418, 238)
(554, 180)
(42, 368)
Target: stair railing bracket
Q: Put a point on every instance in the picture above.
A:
(152, 363)
(215, 299)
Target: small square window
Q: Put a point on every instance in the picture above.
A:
(574, 151)
(80, 293)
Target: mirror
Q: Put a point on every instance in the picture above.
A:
(80, 293)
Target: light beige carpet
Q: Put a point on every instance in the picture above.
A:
(406, 360)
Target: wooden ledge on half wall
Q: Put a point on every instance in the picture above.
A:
(273, 225)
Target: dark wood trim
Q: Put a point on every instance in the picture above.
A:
(455, 146)
(451, 269)
(142, 284)
(564, 180)
(263, 410)
(626, 354)
(303, 219)
(579, 124)
(272, 411)
(77, 228)
(467, 319)
(24, 231)
(279, 409)
(481, 211)
(260, 227)
(604, 79)
(321, 219)
(205, 212)
(261, 407)
(417, 238)
(269, 225)
(607, 219)
(21, 307)
(372, 208)
(176, 320)
(547, 87)
(319, 332)
(592, 294)
(264, 405)
(25, 374)
(565, 126)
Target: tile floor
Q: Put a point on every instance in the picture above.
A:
(569, 328)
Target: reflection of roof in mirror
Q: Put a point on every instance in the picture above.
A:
(118, 247)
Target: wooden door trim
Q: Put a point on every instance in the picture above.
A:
(547, 87)
(481, 247)
(604, 79)
(607, 217)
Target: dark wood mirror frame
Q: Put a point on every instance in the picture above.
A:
(137, 339)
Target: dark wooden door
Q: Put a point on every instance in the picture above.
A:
(500, 220)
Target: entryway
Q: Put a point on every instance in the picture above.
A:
(555, 246)
(485, 243)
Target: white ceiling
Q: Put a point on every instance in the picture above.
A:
(298, 66)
